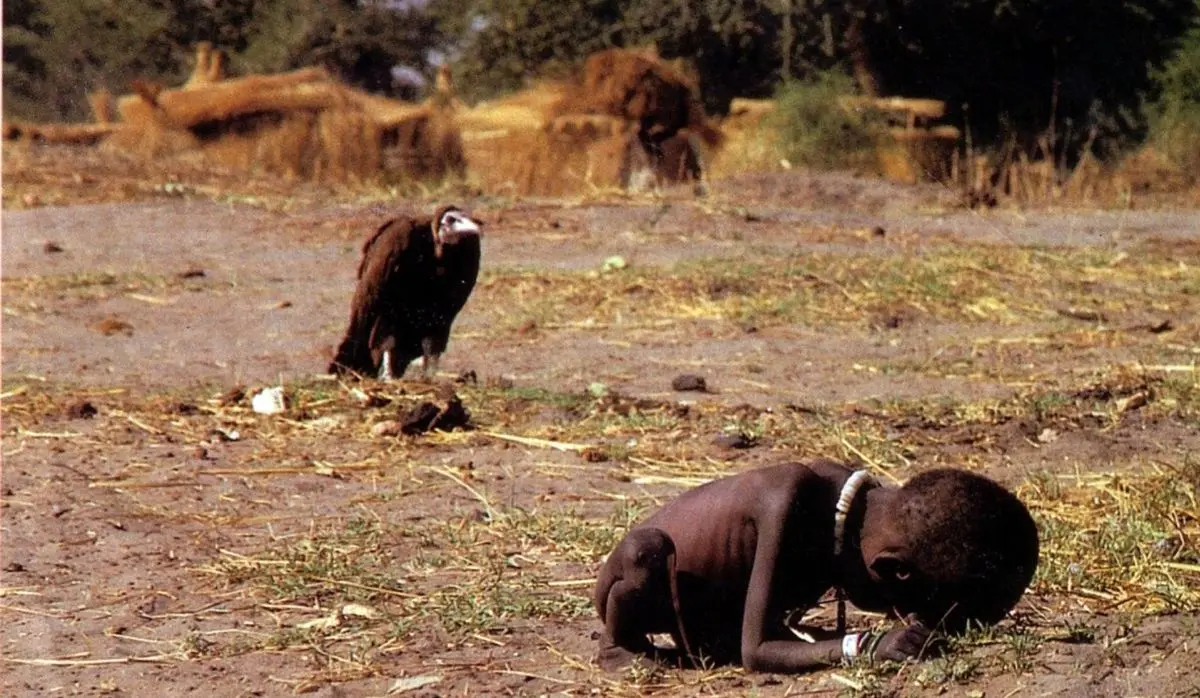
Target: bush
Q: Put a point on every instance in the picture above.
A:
(1175, 116)
(815, 131)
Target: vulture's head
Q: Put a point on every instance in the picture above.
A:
(452, 226)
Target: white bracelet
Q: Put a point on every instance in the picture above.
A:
(850, 645)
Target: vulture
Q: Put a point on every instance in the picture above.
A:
(414, 277)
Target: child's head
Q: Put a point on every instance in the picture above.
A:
(959, 548)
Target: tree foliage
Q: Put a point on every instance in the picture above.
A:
(56, 51)
(1009, 69)
(1006, 68)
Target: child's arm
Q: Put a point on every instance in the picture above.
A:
(784, 656)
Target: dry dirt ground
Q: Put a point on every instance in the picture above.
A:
(161, 538)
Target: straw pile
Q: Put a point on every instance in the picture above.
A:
(628, 119)
(300, 124)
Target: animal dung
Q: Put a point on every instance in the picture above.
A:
(689, 382)
(427, 416)
(268, 401)
(419, 419)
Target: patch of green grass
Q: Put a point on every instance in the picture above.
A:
(1120, 540)
(961, 283)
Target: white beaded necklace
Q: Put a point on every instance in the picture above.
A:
(850, 490)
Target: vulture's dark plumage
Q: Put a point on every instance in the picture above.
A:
(414, 277)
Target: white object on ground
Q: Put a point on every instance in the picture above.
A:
(268, 401)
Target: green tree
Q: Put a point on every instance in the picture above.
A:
(56, 51)
(69, 47)
(499, 45)
(360, 42)
(24, 70)
(1007, 68)
(1175, 112)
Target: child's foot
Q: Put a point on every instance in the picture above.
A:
(614, 658)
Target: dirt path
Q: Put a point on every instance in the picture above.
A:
(138, 542)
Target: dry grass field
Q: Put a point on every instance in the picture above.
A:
(162, 538)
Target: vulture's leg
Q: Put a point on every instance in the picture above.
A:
(385, 368)
(429, 359)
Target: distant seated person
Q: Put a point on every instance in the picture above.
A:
(720, 568)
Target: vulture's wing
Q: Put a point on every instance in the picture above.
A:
(382, 254)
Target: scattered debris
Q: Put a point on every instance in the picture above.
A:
(1081, 314)
(1133, 402)
(221, 434)
(689, 382)
(1047, 436)
(232, 396)
(369, 400)
(412, 683)
(388, 428)
(269, 401)
(112, 325)
(613, 263)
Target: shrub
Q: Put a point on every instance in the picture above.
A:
(815, 131)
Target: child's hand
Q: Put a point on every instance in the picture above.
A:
(902, 643)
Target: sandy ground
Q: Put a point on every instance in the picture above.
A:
(100, 581)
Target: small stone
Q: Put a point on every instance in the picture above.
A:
(739, 440)
(14, 567)
(112, 325)
(689, 382)
(1167, 547)
(594, 455)
(467, 377)
(82, 410)
(878, 231)
(200, 452)
(192, 274)
(52, 247)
